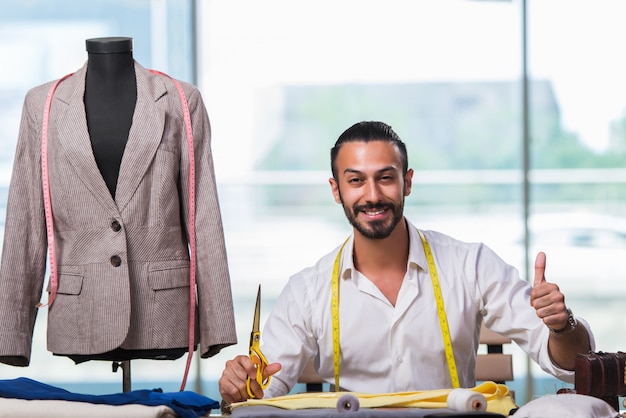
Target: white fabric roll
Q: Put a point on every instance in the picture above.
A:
(348, 403)
(466, 400)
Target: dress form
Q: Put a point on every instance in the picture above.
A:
(110, 97)
(125, 285)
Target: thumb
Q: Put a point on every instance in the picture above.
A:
(271, 369)
(540, 269)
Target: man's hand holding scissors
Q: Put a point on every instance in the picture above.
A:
(233, 386)
(247, 376)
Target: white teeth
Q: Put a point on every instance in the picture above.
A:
(374, 213)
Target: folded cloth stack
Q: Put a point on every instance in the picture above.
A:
(184, 404)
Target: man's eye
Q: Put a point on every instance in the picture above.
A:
(354, 180)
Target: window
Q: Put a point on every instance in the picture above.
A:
(282, 79)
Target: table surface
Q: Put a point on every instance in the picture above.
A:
(262, 411)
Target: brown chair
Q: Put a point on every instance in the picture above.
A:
(492, 366)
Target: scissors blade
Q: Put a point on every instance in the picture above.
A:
(256, 355)
(257, 312)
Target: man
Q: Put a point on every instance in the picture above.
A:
(391, 330)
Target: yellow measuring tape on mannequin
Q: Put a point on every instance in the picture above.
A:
(441, 312)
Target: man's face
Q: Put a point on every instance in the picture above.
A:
(370, 186)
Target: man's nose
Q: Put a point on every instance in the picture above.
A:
(373, 193)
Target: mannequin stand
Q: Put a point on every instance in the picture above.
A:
(125, 366)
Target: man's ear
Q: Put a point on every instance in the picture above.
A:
(408, 182)
(335, 189)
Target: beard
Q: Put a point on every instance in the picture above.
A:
(374, 229)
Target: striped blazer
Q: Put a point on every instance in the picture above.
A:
(123, 263)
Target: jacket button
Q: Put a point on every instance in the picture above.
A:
(116, 226)
(116, 261)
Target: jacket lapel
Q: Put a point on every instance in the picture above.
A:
(71, 126)
(143, 140)
(144, 137)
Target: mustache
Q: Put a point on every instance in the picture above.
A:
(373, 206)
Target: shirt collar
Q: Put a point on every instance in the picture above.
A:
(417, 256)
(347, 261)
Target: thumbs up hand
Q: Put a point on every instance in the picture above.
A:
(547, 299)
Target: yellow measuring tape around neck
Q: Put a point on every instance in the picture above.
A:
(334, 304)
(441, 312)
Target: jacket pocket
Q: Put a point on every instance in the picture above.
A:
(68, 284)
(68, 322)
(168, 274)
(170, 303)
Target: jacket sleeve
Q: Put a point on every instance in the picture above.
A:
(25, 243)
(215, 305)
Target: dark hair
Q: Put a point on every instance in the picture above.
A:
(368, 131)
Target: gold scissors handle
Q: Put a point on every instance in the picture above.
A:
(258, 358)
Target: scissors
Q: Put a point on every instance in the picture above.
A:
(256, 355)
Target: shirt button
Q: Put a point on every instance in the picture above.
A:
(116, 226)
(116, 261)
(399, 359)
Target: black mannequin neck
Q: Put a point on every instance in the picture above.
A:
(111, 60)
(111, 67)
(110, 98)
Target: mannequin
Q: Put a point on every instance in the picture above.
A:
(110, 97)
(119, 175)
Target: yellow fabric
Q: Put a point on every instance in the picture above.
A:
(499, 399)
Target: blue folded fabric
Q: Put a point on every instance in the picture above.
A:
(186, 404)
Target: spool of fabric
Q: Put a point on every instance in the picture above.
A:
(348, 403)
(466, 400)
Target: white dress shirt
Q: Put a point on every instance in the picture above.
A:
(386, 348)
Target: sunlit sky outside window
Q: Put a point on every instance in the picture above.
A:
(575, 45)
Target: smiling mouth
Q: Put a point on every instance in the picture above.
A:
(374, 213)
